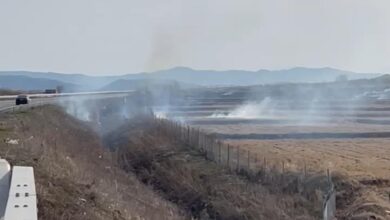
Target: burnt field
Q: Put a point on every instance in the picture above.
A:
(232, 115)
(348, 136)
(278, 126)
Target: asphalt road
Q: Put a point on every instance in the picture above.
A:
(7, 102)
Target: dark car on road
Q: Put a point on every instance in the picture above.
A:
(22, 100)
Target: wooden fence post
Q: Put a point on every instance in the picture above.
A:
(238, 158)
(183, 133)
(192, 136)
(178, 133)
(188, 135)
(228, 156)
(200, 147)
(211, 149)
(249, 160)
(282, 170)
(206, 147)
(220, 152)
(174, 129)
(198, 137)
(179, 130)
(205, 142)
(215, 150)
(255, 162)
(265, 168)
(193, 131)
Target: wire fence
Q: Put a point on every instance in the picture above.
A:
(279, 175)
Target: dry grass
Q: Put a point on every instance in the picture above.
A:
(203, 188)
(356, 158)
(76, 178)
(364, 164)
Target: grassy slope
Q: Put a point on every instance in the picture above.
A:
(203, 188)
(75, 177)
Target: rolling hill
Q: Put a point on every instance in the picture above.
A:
(243, 78)
(38, 80)
(27, 83)
(134, 84)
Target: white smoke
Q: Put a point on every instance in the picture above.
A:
(251, 110)
(124, 111)
(161, 114)
(374, 95)
(77, 107)
(308, 112)
(164, 112)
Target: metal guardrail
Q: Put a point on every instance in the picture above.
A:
(18, 107)
(15, 108)
(47, 95)
(7, 109)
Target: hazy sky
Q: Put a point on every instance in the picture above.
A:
(128, 36)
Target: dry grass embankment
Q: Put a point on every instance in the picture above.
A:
(75, 177)
(203, 188)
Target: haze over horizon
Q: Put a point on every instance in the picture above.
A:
(111, 38)
(259, 70)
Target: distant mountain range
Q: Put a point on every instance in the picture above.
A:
(23, 80)
(134, 84)
(24, 83)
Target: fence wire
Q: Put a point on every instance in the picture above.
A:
(293, 178)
